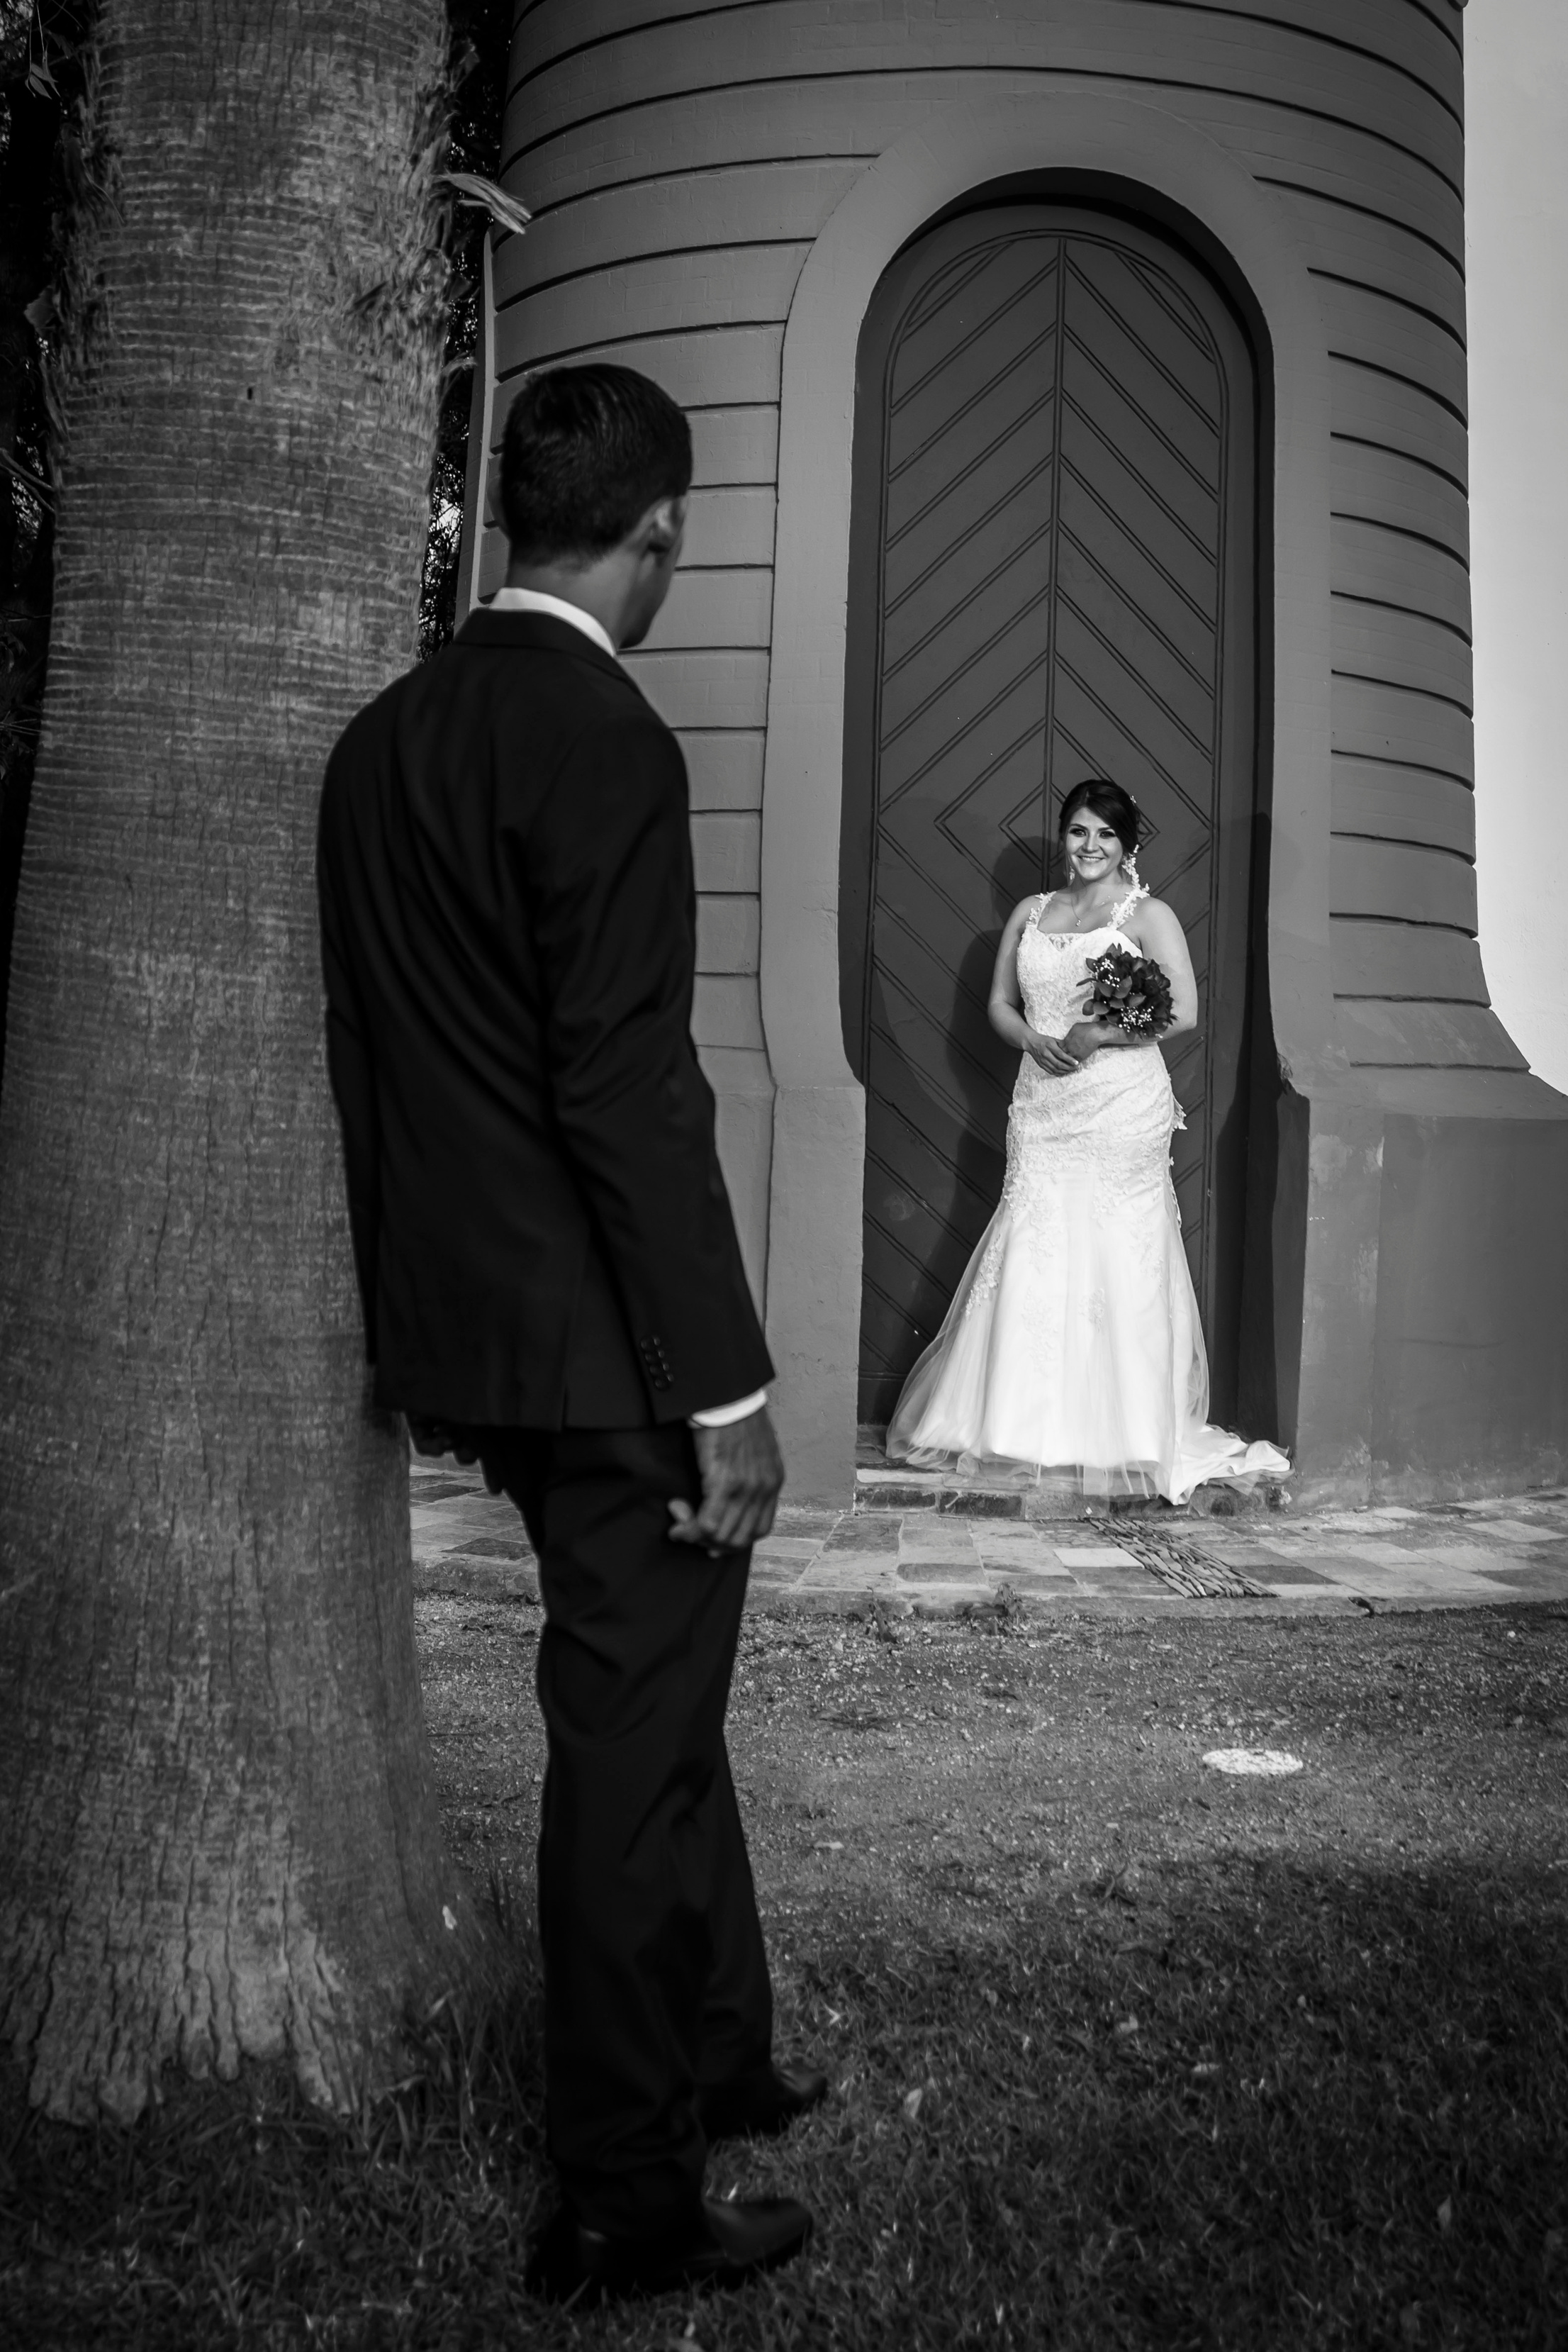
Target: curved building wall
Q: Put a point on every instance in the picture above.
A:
(681, 159)
(679, 170)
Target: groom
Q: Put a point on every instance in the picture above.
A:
(551, 1282)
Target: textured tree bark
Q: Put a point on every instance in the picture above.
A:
(218, 1837)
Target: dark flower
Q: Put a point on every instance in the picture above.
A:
(1132, 991)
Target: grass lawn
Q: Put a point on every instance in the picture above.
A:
(1123, 2053)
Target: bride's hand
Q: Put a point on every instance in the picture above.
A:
(1086, 1038)
(1051, 1054)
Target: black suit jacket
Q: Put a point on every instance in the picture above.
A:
(542, 1231)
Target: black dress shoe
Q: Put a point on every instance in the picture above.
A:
(724, 2244)
(762, 2103)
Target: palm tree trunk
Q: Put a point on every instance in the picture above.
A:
(218, 1836)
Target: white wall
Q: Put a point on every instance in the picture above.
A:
(1517, 240)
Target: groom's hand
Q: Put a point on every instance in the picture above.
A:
(742, 1472)
(434, 1438)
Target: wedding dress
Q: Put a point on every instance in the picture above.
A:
(1072, 1347)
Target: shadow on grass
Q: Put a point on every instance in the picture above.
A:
(1250, 2106)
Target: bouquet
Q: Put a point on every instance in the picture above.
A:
(1132, 991)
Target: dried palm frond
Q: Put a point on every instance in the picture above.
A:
(485, 196)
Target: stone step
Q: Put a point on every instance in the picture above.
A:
(916, 1490)
(888, 1489)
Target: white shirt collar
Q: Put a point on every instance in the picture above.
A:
(555, 608)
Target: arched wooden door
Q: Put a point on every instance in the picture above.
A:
(1053, 576)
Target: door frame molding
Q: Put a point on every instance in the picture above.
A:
(1218, 1078)
(1157, 162)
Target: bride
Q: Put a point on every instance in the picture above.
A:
(1073, 1346)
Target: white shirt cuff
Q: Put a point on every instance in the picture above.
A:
(719, 1416)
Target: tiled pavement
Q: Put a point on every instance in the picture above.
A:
(940, 1551)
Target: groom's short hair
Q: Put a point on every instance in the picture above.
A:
(586, 452)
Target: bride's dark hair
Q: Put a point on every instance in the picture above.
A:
(1114, 803)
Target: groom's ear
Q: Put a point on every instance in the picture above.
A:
(662, 527)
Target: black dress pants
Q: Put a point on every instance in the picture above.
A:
(656, 1976)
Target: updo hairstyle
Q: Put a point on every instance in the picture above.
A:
(1114, 804)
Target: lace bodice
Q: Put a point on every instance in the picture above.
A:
(1051, 975)
(1111, 1119)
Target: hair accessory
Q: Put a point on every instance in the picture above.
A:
(1130, 868)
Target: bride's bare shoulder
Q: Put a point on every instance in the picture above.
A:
(1024, 909)
(1152, 917)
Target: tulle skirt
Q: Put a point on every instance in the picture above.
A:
(1072, 1348)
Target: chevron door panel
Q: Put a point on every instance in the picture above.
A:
(1137, 668)
(1062, 569)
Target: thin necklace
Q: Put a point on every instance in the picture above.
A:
(1110, 908)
